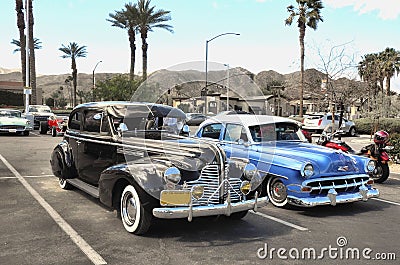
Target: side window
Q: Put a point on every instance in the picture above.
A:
(75, 121)
(329, 117)
(235, 132)
(92, 121)
(212, 131)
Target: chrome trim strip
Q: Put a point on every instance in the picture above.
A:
(272, 174)
(208, 210)
(340, 198)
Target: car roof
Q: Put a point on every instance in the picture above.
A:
(248, 120)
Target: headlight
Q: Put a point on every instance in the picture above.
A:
(197, 192)
(370, 165)
(172, 174)
(250, 171)
(307, 171)
(245, 187)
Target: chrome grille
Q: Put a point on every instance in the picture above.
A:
(12, 127)
(322, 186)
(210, 179)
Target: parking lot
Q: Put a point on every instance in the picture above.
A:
(43, 224)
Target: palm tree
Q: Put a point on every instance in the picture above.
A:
(21, 27)
(36, 43)
(147, 20)
(32, 64)
(73, 51)
(127, 19)
(390, 65)
(309, 14)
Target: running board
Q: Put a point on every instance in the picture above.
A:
(90, 189)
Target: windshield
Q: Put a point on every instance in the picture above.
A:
(39, 109)
(276, 132)
(10, 113)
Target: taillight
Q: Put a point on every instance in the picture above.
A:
(319, 122)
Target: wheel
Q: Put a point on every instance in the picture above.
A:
(53, 131)
(43, 127)
(238, 215)
(381, 172)
(134, 217)
(26, 133)
(64, 184)
(277, 192)
(352, 132)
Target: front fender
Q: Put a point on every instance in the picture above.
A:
(61, 161)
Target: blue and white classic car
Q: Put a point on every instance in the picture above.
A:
(296, 172)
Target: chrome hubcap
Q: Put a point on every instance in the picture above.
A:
(129, 208)
(278, 191)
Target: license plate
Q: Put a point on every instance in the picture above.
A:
(174, 197)
(12, 130)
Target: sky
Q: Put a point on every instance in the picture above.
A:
(264, 43)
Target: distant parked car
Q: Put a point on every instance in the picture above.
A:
(12, 122)
(295, 171)
(318, 122)
(40, 113)
(57, 125)
(195, 118)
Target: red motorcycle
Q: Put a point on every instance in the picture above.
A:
(376, 151)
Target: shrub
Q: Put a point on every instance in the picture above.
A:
(368, 126)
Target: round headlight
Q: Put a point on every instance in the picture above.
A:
(197, 192)
(245, 187)
(250, 170)
(172, 174)
(371, 166)
(308, 171)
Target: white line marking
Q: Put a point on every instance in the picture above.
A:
(381, 200)
(281, 221)
(40, 176)
(75, 237)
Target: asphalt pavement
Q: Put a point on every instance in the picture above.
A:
(38, 220)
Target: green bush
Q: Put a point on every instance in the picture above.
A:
(368, 126)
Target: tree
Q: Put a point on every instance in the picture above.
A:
(128, 19)
(147, 20)
(21, 28)
(309, 14)
(73, 51)
(32, 60)
(36, 44)
(390, 60)
(119, 87)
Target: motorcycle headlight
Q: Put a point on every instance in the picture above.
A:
(370, 166)
(173, 175)
(307, 171)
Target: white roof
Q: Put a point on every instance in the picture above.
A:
(247, 119)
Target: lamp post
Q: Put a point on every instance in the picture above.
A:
(94, 80)
(205, 88)
(227, 87)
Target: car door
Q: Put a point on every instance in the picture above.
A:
(96, 152)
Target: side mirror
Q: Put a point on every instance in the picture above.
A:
(185, 130)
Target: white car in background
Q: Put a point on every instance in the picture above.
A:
(319, 121)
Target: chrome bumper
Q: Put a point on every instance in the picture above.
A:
(208, 210)
(333, 198)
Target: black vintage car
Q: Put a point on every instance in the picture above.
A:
(133, 157)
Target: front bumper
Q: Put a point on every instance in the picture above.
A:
(226, 208)
(334, 198)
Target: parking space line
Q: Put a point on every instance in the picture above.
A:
(280, 221)
(94, 257)
(39, 176)
(390, 202)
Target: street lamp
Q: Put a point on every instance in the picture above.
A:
(227, 87)
(205, 89)
(94, 80)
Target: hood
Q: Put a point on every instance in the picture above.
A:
(326, 161)
(13, 121)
